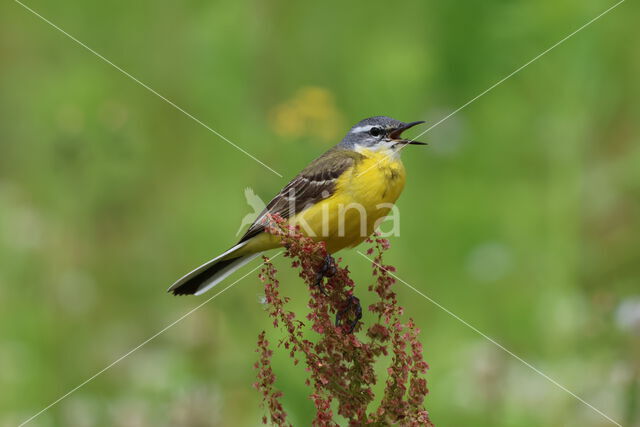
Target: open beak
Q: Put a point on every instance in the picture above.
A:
(396, 135)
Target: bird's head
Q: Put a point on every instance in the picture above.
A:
(378, 133)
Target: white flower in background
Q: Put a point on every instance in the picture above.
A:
(628, 315)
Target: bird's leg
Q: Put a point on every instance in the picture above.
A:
(327, 269)
(352, 305)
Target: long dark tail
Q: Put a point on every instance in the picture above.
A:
(210, 274)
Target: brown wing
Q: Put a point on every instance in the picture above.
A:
(316, 182)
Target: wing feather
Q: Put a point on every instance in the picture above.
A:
(316, 182)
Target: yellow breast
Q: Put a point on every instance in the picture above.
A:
(364, 195)
(378, 179)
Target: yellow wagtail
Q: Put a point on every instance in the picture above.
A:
(339, 199)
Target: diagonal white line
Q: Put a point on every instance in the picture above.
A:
(517, 70)
(503, 348)
(118, 360)
(507, 77)
(200, 122)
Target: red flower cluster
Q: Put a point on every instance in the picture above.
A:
(341, 366)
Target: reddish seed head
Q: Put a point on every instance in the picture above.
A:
(330, 359)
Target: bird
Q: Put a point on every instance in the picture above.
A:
(339, 198)
(258, 206)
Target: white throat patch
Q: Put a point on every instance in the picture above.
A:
(386, 147)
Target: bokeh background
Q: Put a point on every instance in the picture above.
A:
(522, 217)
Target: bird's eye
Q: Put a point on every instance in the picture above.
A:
(375, 131)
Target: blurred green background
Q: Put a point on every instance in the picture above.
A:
(522, 217)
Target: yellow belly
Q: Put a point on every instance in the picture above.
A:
(364, 195)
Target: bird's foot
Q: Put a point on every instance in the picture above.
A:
(352, 306)
(327, 269)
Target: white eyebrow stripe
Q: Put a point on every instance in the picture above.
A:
(361, 128)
